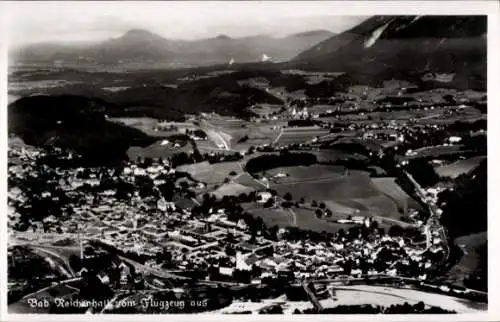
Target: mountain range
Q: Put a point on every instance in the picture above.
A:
(142, 46)
(385, 47)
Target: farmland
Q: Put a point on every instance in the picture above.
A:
(294, 135)
(306, 219)
(211, 173)
(231, 189)
(345, 191)
(390, 188)
(157, 150)
(273, 216)
(459, 167)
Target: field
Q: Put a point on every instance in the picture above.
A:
(257, 134)
(390, 188)
(211, 173)
(306, 219)
(459, 167)
(433, 151)
(273, 216)
(295, 135)
(265, 109)
(156, 150)
(332, 155)
(247, 180)
(231, 189)
(345, 192)
(148, 125)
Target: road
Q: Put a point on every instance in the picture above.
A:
(312, 297)
(294, 216)
(278, 137)
(432, 220)
(68, 268)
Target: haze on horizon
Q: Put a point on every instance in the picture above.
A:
(33, 22)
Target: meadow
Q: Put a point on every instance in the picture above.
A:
(459, 167)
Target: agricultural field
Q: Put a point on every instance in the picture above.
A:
(299, 174)
(257, 134)
(157, 150)
(459, 167)
(433, 151)
(306, 219)
(273, 216)
(231, 189)
(346, 191)
(332, 155)
(249, 181)
(390, 188)
(265, 109)
(144, 124)
(211, 173)
(295, 135)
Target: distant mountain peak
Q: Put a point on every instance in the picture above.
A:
(139, 34)
(223, 37)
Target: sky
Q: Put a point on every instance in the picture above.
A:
(30, 22)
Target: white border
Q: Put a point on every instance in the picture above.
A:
(491, 8)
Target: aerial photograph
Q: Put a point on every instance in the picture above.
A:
(219, 158)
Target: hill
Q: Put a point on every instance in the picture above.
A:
(145, 47)
(449, 50)
(221, 94)
(465, 209)
(75, 123)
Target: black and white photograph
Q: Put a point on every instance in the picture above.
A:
(261, 157)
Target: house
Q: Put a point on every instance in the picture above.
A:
(227, 271)
(264, 196)
(241, 263)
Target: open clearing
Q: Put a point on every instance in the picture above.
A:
(306, 219)
(231, 189)
(348, 192)
(211, 173)
(459, 167)
(273, 216)
(156, 150)
(295, 135)
(390, 188)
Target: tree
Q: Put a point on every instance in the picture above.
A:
(269, 203)
(322, 205)
(395, 230)
(288, 196)
(75, 262)
(273, 232)
(230, 251)
(314, 203)
(328, 213)
(302, 200)
(318, 213)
